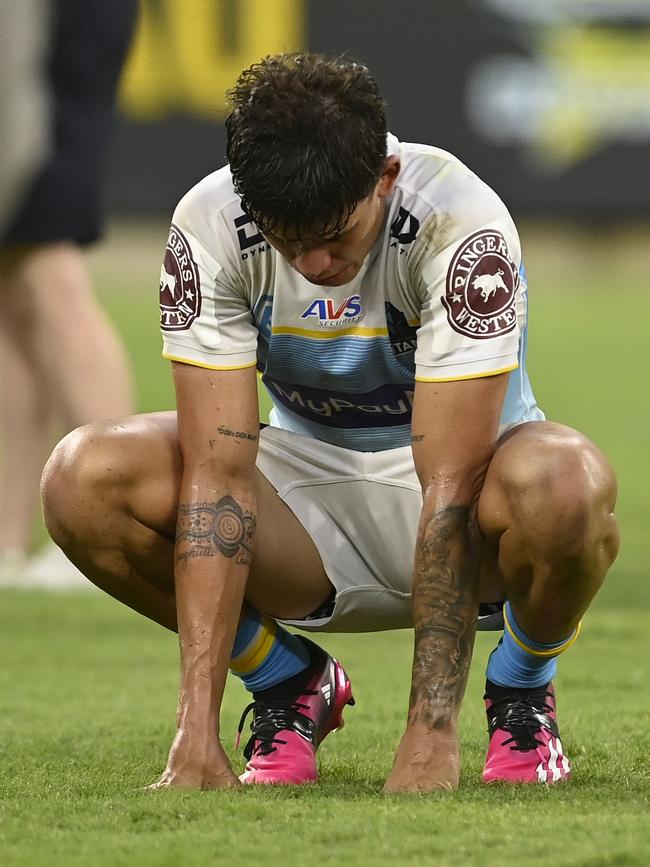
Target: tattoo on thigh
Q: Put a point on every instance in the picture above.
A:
(444, 611)
(222, 527)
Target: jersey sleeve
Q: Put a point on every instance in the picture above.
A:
(205, 315)
(473, 305)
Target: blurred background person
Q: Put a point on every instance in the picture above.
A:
(23, 97)
(62, 363)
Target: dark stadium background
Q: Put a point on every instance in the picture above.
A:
(548, 102)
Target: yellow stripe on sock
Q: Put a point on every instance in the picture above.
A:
(257, 650)
(554, 651)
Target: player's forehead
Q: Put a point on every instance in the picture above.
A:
(315, 233)
(307, 236)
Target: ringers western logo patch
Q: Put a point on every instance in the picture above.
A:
(180, 293)
(481, 285)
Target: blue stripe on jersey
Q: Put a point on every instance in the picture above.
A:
(360, 439)
(347, 363)
(365, 384)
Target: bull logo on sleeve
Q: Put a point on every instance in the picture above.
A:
(482, 283)
(489, 283)
(167, 282)
(180, 290)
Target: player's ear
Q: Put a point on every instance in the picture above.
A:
(388, 176)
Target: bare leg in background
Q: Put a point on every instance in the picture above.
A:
(62, 365)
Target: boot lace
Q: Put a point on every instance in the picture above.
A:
(522, 717)
(272, 716)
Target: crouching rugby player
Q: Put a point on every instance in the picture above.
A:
(407, 478)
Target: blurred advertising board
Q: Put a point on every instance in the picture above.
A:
(548, 102)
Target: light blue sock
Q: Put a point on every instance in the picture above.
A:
(264, 654)
(519, 661)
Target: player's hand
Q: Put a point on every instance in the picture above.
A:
(425, 760)
(192, 765)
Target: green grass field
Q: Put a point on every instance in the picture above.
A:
(88, 688)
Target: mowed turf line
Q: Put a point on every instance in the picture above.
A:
(88, 689)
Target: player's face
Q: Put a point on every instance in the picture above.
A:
(333, 260)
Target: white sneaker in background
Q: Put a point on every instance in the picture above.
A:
(50, 569)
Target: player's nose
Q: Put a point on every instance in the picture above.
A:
(313, 263)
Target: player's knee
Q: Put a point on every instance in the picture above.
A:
(562, 492)
(85, 472)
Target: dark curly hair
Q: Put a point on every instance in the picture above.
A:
(306, 141)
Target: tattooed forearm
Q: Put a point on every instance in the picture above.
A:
(209, 529)
(237, 434)
(445, 601)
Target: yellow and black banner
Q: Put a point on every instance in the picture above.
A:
(548, 102)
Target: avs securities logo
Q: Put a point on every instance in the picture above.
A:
(482, 283)
(329, 313)
(180, 293)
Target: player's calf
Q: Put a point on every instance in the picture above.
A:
(548, 499)
(554, 493)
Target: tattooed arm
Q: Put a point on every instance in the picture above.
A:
(218, 428)
(454, 433)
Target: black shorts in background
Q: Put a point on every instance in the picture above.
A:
(89, 40)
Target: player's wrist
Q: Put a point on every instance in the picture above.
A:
(198, 706)
(426, 759)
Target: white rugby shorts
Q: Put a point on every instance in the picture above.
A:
(362, 511)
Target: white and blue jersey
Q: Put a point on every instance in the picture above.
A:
(441, 296)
